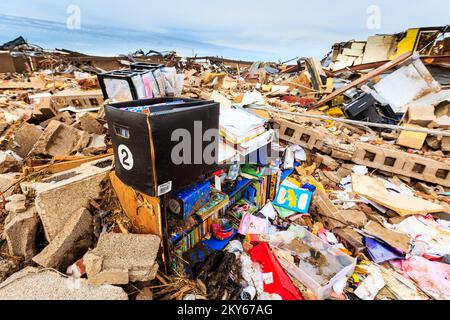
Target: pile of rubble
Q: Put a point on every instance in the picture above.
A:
(370, 144)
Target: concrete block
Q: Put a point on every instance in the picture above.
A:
(20, 233)
(328, 161)
(34, 284)
(354, 218)
(96, 144)
(63, 117)
(341, 155)
(427, 170)
(135, 253)
(7, 180)
(90, 124)
(9, 161)
(61, 194)
(15, 207)
(402, 163)
(305, 137)
(445, 145)
(70, 244)
(24, 139)
(16, 203)
(8, 267)
(78, 98)
(420, 114)
(59, 139)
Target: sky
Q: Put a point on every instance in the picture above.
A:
(246, 29)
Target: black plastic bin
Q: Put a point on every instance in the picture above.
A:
(146, 66)
(143, 143)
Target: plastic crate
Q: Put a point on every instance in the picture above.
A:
(125, 85)
(320, 265)
(143, 143)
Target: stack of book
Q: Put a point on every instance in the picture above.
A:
(244, 131)
(187, 239)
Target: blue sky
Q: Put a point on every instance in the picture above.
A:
(249, 29)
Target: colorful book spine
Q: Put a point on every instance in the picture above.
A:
(195, 236)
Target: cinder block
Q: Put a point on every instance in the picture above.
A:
(305, 137)
(402, 163)
(341, 155)
(78, 98)
(427, 169)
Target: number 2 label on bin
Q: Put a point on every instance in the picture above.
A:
(125, 157)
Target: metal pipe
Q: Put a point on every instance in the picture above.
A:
(443, 133)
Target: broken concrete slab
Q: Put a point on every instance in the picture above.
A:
(9, 161)
(7, 267)
(7, 180)
(59, 139)
(420, 114)
(434, 142)
(15, 207)
(16, 198)
(354, 218)
(445, 145)
(42, 107)
(328, 161)
(122, 257)
(332, 176)
(442, 122)
(61, 194)
(24, 139)
(16, 203)
(34, 284)
(96, 145)
(20, 233)
(90, 124)
(70, 244)
(64, 117)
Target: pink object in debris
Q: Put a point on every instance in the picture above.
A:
(431, 276)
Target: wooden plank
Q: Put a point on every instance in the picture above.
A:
(387, 66)
(144, 211)
(442, 59)
(404, 204)
(65, 164)
(398, 240)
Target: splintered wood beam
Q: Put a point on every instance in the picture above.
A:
(385, 67)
